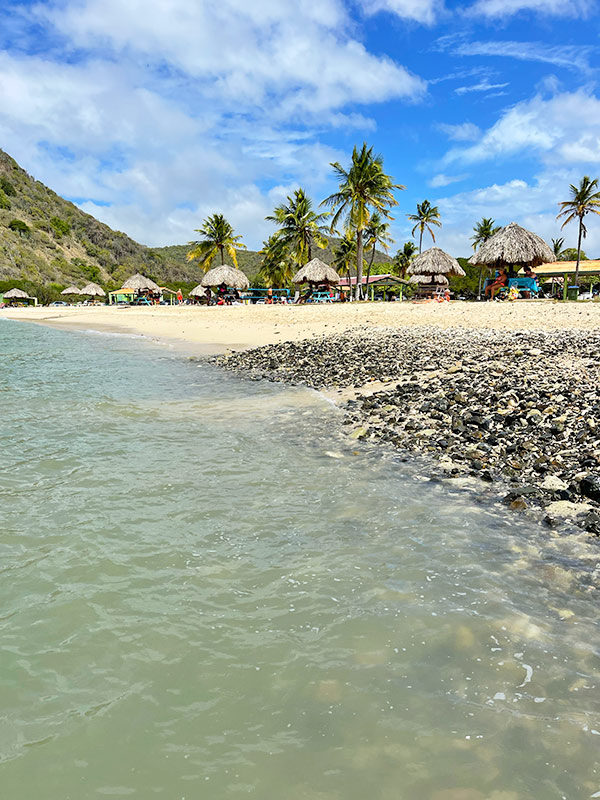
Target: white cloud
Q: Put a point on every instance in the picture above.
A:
(463, 132)
(561, 130)
(572, 57)
(504, 8)
(424, 11)
(445, 180)
(482, 86)
(155, 114)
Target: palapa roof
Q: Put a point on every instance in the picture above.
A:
(513, 245)
(71, 290)
(225, 274)
(93, 290)
(138, 281)
(316, 271)
(198, 291)
(429, 280)
(17, 293)
(434, 262)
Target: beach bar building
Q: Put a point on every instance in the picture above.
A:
(566, 271)
(17, 297)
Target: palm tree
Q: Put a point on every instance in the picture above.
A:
(404, 257)
(364, 188)
(426, 216)
(344, 255)
(299, 226)
(376, 233)
(585, 199)
(558, 247)
(218, 238)
(277, 268)
(483, 231)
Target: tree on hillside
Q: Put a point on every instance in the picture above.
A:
(299, 227)
(426, 216)
(570, 254)
(557, 248)
(482, 231)
(376, 234)
(218, 238)
(363, 189)
(277, 266)
(404, 257)
(585, 199)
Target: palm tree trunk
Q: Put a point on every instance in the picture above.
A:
(421, 240)
(359, 264)
(222, 256)
(369, 271)
(578, 251)
(480, 283)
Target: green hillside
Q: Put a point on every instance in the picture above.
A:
(46, 240)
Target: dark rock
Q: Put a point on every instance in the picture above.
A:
(590, 487)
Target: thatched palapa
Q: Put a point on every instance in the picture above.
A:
(139, 283)
(316, 271)
(513, 246)
(198, 291)
(93, 290)
(230, 276)
(16, 294)
(71, 290)
(434, 267)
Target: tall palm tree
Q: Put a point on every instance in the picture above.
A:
(585, 199)
(404, 257)
(219, 238)
(277, 267)
(558, 247)
(299, 226)
(363, 189)
(426, 216)
(376, 233)
(483, 231)
(344, 255)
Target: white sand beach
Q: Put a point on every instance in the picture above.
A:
(218, 328)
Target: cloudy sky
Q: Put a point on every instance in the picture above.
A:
(152, 114)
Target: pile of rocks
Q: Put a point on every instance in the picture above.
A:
(520, 408)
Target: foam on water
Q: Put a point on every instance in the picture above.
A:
(205, 592)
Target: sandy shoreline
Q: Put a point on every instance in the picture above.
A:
(210, 330)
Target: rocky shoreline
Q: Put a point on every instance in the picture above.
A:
(520, 410)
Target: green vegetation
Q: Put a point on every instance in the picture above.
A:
(7, 186)
(4, 201)
(60, 227)
(482, 231)
(299, 227)
(219, 238)
(19, 227)
(426, 216)
(364, 188)
(585, 199)
(277, 267)
(570, 254)
(376, 233)
(404, 257)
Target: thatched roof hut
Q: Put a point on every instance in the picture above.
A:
(139, 282)
(230, 276)
(16, 294)
(71, 290)
(93, 290)
(198, 291)
(434, 267)
(513, 246)
(316, 271)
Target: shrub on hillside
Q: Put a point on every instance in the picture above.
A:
(4, 201)
(7, 186)
(18, 226)
(60, 227)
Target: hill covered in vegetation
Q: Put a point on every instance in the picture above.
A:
(47, 241)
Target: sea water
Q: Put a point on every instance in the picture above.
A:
(205, 592)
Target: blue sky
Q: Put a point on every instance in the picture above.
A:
(152, 114)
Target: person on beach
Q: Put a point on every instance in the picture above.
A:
(179, 297)
(269, 300)
(499, 283)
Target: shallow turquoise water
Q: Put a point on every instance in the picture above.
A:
(204, 592)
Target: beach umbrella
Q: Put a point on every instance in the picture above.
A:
(140, 282)
(198, 291)
(16, 294)
(93, 290)
(316, 271)
(511, 246)
(230, 276)
(71, 290)
(434, 267)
